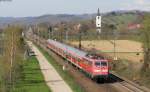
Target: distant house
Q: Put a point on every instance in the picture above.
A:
(133, 26)
(56, 28)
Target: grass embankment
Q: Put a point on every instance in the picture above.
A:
(64, 74)
(32, 79)
(132, 72)
(125, 68)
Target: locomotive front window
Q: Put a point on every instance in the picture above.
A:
(103, 63)
(97, 64)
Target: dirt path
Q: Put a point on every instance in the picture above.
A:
(52, 78)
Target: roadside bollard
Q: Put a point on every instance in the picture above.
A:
(64, 67)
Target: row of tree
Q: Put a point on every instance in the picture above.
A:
(12, 59)
(146, 43)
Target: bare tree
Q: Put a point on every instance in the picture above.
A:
(12, 58)
(82, 31)
(146, 43)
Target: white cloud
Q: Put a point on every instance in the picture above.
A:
(140, 2)
(137, 5)
(143, 4)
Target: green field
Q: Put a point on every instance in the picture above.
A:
(32, 80)
(64, 74)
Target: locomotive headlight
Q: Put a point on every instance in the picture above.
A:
(105, 70)
(101, 70)
(97, 70)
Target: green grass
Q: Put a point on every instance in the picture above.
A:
(64, 74)
(32, 79)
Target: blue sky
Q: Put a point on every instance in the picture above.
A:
(23, 8)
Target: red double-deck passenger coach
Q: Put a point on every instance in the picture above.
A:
(94, 65)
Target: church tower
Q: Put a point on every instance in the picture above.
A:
(98, 21)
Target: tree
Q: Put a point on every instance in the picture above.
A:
(82, 31)
(62, 29)
(11, 61)
(50, 32)
(146, 42)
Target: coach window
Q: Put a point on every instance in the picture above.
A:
(67, 56)
(90, 63)
(87, 62)
(73, 58)
(84, 61)
(79, 59)
(76, 59)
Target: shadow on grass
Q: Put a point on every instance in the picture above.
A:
(31, 76)
(32, 82)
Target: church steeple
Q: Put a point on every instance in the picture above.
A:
(98, 21)
(98, 12)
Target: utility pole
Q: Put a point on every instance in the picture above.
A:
(49, 36)
(66, 38)
(45, 35)
(38, 35)
(80, 35)
(2, 42)
(115, 57)
(50, 32)
(11, 57)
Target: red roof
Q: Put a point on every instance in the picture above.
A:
(134, 26)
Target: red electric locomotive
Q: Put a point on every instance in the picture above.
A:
(94, 65)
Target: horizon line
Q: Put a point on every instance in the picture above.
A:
(125, 10)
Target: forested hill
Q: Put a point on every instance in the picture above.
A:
(53, 19)
(115, 17)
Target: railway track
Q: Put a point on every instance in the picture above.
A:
(130, 87)
(126, 87)
(114, 84)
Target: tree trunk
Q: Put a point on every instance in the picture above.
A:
(146, 67)
(80, 39)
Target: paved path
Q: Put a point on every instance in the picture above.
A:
(52, 78)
